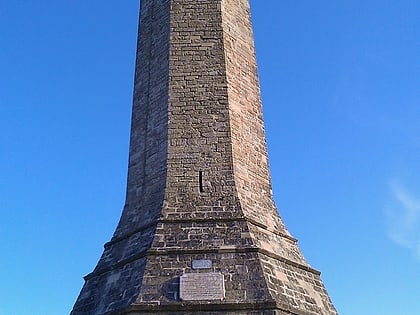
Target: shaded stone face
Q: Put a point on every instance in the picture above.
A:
(199, 232)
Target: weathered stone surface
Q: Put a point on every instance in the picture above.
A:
(199, 187)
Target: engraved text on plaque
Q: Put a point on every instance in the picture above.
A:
(201, 264)
(202, 286)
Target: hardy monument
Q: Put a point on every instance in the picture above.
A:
(199, 233)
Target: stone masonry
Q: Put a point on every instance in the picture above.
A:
(199, 232)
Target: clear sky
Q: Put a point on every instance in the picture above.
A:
(341, 97)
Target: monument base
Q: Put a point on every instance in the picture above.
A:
(264, 308)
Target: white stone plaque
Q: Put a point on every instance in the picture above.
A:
(201, 264)
(202, 286)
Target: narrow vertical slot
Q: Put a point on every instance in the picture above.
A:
(200, 181)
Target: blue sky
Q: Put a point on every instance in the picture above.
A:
(342, 110)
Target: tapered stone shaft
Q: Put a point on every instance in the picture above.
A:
(199, 233)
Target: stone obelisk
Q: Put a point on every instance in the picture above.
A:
(199, 233)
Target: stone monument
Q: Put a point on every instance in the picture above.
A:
(199, 232)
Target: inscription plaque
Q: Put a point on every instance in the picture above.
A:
(202, 286)
(201, 264)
